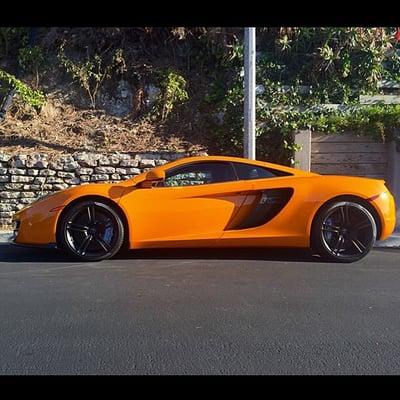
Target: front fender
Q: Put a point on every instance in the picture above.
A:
(38, 222)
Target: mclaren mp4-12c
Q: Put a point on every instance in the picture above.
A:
(213, 202)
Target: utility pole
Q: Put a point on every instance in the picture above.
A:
(249, 142)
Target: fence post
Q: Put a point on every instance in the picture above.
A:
(302, 157)
(394, 176)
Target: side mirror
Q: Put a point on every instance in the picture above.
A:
(153, 175)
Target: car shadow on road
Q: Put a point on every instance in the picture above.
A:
(17, 254)
(270, 254)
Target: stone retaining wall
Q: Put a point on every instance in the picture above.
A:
(23, 178)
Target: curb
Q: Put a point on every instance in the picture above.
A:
(392, 241)
(5, 236)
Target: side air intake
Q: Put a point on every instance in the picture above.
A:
(270, 203)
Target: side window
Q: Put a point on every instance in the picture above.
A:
(199, 174)
(248, 171)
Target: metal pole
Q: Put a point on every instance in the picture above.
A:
(249, 142)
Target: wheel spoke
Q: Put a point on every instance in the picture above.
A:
(91, 213)
(341, 210)
(338, 245)
(330, 228)
(72, 226)
(344, 214)
(363, 225)
(84, 245)
(358, 245)
(103, 244)
(347, 214)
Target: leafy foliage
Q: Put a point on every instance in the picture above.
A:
(173, 92)
(92, 72)
(35, 98)
(31, 60)
(202, 77)
(299, 68)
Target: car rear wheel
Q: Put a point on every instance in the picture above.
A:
(344, 231)
(91, 231)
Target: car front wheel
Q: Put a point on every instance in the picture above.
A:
(91, 230)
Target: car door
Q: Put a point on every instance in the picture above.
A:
(258, 217)
(191, 207)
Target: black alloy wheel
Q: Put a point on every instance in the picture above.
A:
(345, 231)
(91, 231)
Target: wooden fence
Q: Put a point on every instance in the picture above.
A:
(349, 154)
(342, 154)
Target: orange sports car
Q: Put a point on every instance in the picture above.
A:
(213, 202)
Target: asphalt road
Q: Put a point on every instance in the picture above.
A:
(199, 312)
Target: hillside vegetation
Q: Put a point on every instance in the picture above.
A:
(151, 89)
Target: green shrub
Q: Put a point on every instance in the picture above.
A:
(31, 60)
(91, 73)
(173, 92)
(35, 98)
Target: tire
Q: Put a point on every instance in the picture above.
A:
(91, 230)
(343, 231)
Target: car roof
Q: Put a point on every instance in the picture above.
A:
(265, 164)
